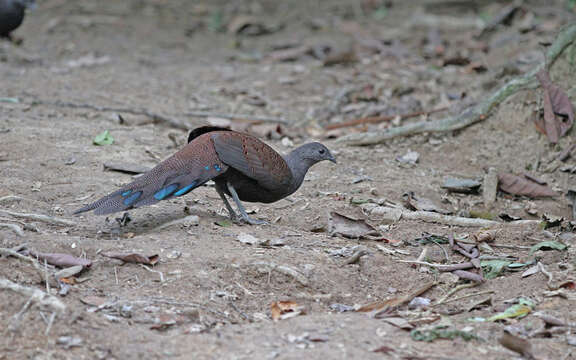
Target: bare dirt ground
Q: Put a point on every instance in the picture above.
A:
(212, 299)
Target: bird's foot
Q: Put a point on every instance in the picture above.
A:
(241, 220)
(251, 221)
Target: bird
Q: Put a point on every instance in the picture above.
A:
(242, 167)
(12, 15)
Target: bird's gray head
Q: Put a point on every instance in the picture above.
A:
(314, 152)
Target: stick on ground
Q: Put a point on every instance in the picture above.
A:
(37, 296)
(474, 114)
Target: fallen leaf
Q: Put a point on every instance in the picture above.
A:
(465, 186)
(531, 271)
(68, 272)
(548, 245)
(516, 344)
(493, 268)
(485, 236)
(558, 109)
(413, 202)
(344, 57)
(61, 260)
(103, 138)
(345, 226)
(133, 258)
(383, 349)
(523, 308)
(279, 309)
(399, 322)
(519, 185)
(568, 284)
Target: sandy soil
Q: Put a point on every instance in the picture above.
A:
(165, 57)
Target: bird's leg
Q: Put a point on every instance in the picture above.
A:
(231, 211)
(245, 216)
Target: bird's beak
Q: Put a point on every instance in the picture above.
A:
(332, 159)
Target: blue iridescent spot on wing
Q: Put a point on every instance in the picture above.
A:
(206, 167)
(126, 193)
(132, 198)
(217, 167)
(165, 192)
(185, 190)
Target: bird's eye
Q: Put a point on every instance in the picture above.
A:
(322, 151)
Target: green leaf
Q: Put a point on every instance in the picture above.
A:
(548, 245)
(103, 138)
(223, 223)
(523, 308)
(432, 239)
(493, 268)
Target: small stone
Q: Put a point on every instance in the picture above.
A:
(68, 342)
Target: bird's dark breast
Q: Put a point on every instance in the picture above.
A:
(10, 20)
(248, 189)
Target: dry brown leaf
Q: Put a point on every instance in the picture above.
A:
(413, 202)
(348, 227)
(516, 344)
(379, 308)
(518, 185)
(133, 258)
(558, 109)
(61, 260)
(485, 236)
(399, 322)
(280, 308)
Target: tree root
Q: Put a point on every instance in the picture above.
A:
(473, 114)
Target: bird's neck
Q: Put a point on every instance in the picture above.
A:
(299, 167)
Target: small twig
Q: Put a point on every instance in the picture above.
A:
(298, 276)
(154, 271)
(9, 198)
(15, 321)
(395, 214)
(454, 291)
(465, 296)
(441, 267)
(39, 217)
(446, 256)
(15, 228)
(50, 322)
(548, 274)
(38, 296)
(379, 119)
(515, 247)
(11, 252)
(355, 257)
(468, 275)
(243, 314)
(116, 274)
(46, 276)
